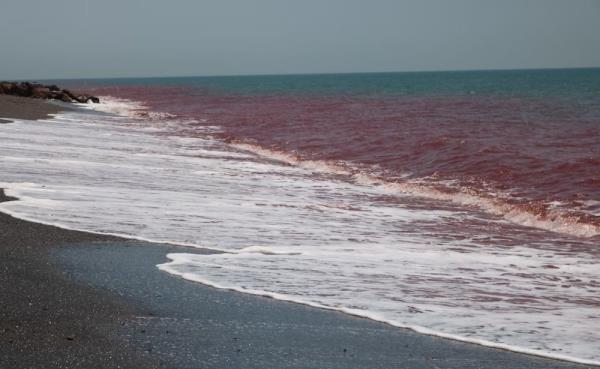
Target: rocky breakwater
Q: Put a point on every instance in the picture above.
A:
(39, 91)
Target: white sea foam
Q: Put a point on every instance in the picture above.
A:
(468, 330)
(317, 239)
(117, 106)
(555, 221)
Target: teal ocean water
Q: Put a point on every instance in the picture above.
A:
(582, 83)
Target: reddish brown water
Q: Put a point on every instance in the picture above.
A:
(536, 160)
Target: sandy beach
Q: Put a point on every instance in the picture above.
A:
(78, 300)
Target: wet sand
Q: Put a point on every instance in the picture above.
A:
(47, 321)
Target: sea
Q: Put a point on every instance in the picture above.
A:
(462, 204)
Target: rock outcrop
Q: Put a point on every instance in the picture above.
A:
(39, 91)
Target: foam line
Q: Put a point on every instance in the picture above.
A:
(178, 258)
(557, 221)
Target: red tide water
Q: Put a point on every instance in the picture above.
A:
(533, 156)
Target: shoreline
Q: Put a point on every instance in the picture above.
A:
(394, 324)
(88, 314)
(46, 320)
(113, 297)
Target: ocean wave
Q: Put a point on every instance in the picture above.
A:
(179, 259)
(559, 221)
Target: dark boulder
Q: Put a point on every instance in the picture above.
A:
(84, 99)
(66, 98)
(40, 92)
(69, 94)
(23, 89)
(7, 88)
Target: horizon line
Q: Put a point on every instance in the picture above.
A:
(313, 73)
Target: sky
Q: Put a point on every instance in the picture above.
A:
(41, 39)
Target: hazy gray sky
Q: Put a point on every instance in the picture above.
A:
(117, 38)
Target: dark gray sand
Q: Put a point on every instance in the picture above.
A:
(14, 107)
(46, 320)
(77, 300)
